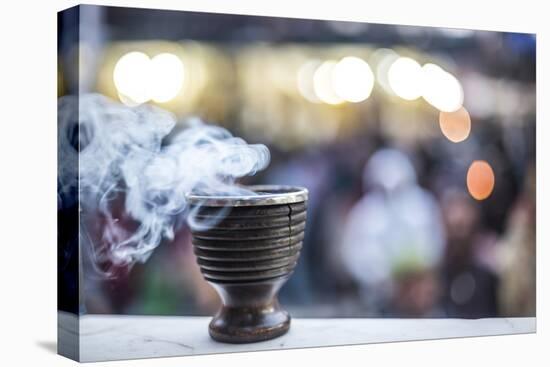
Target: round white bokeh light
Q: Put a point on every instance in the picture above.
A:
(322, 83)
(304, 80)
(168, 75)
(132, 75)
(352, 79)
(405, 78)
(441, 89)
(139, 79)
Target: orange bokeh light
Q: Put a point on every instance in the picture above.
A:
(455, 125)
(480, 180)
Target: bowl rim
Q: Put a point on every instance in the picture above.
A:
(276, 194)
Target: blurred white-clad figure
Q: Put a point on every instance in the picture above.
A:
(394, 238)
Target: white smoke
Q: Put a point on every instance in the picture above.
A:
(122, 152)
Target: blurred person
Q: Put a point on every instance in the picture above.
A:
(313, 172)
(320, 286)
(394, 239)
(202, 298)
(469, 283)
(106, 287)
(517, 260)
(416, 291)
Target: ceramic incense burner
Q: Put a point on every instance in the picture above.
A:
(247, 253)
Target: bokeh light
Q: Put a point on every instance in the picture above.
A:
(131, 76)
(352, 79)
(405, 78)
(322, 83)
(383, 58)
(480, 180)
(304, 80)
(455, 125)
(441, 89)
(167, 77)
(139, 78)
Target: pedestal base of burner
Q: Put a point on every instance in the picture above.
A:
(250, 312)
(238, 326)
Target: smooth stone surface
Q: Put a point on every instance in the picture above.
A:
(113, 337)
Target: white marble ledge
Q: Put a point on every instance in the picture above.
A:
(106, 337)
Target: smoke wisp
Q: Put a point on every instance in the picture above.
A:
(128, 168)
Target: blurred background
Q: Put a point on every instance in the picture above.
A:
(417, 146)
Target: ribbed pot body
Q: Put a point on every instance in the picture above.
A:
(247, 253)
